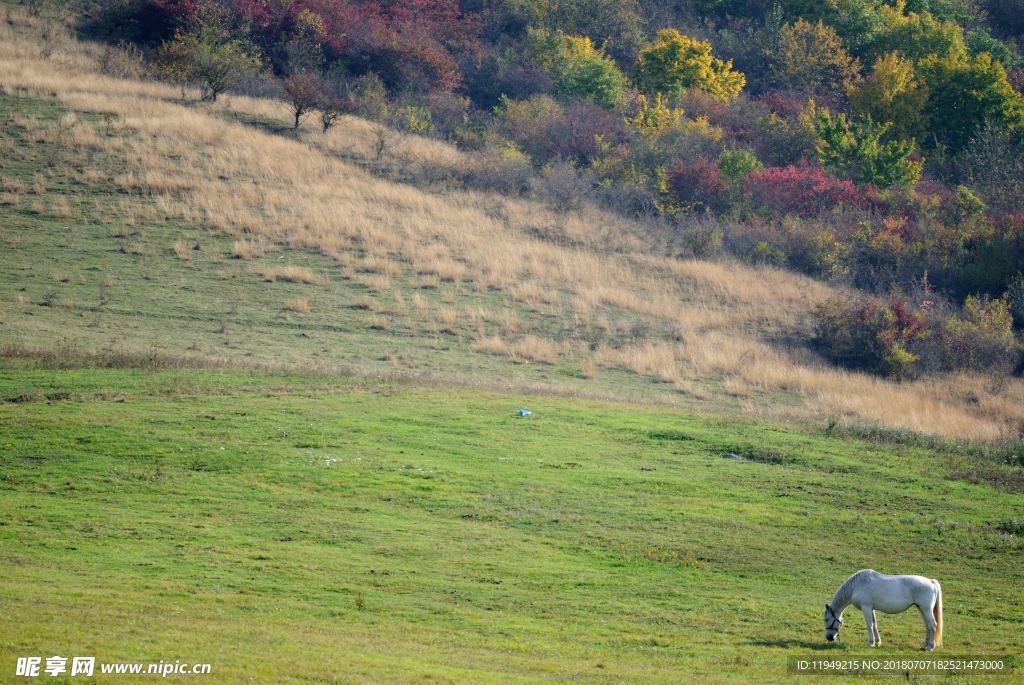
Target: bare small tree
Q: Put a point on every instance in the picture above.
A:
(331, 107)
(304, 94)
(381, 139)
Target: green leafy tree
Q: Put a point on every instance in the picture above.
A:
(209, 58)
(812, 58)
(586, 71)
(965, 93)
(580, 69)
(980, 40)
(858, 22)
(892, 93)
(674, 63)
(736, 164)
(854, 150)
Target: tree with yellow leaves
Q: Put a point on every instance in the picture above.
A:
(892, 93)
(674, 63)
(812, 58)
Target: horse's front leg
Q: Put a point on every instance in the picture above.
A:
(869, 619)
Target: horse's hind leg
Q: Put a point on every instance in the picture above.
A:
(929, 628)
(874, 626)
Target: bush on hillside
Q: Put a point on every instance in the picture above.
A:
(897, 339)
(698, 185)
(804, 190)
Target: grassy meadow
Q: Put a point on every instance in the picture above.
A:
(257, 409)
(297, 529)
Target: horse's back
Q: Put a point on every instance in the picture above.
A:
(892, 594)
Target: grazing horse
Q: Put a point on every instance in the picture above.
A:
(870, 590)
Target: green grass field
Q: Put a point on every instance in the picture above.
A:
(314, 529)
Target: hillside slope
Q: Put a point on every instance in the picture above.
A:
(141, 222)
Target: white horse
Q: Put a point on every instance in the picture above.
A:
(869, 590)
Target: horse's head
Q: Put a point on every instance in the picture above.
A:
(833, 623)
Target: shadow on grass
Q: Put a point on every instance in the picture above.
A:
(791, 644)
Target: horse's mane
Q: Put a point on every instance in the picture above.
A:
(842, 597)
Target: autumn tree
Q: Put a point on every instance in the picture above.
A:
(674, 63)
(812, 58)
(304, 92)
(616, 25)
(651, 120)
(892, 93)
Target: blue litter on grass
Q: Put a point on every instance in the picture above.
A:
(523, 412)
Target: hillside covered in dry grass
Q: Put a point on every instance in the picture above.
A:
(135, 221)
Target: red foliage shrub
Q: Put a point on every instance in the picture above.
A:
(1016, 79)
(785, 103)
(574, 135)
(698, 183)
(409, 43)
(805, 190)
(930, 187)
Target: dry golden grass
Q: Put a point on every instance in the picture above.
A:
(14, 186)
(491, 345)
(290, 272)
(532, 348)
(365, 302)
(448, 317)
(249, 248)
(686, 319)
(374, 265)
(299, 305)
(183, 250)
(509, 321)
(375, 282)
(90, 176)
(420, 304)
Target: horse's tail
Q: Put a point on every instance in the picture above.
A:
(937, 613)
